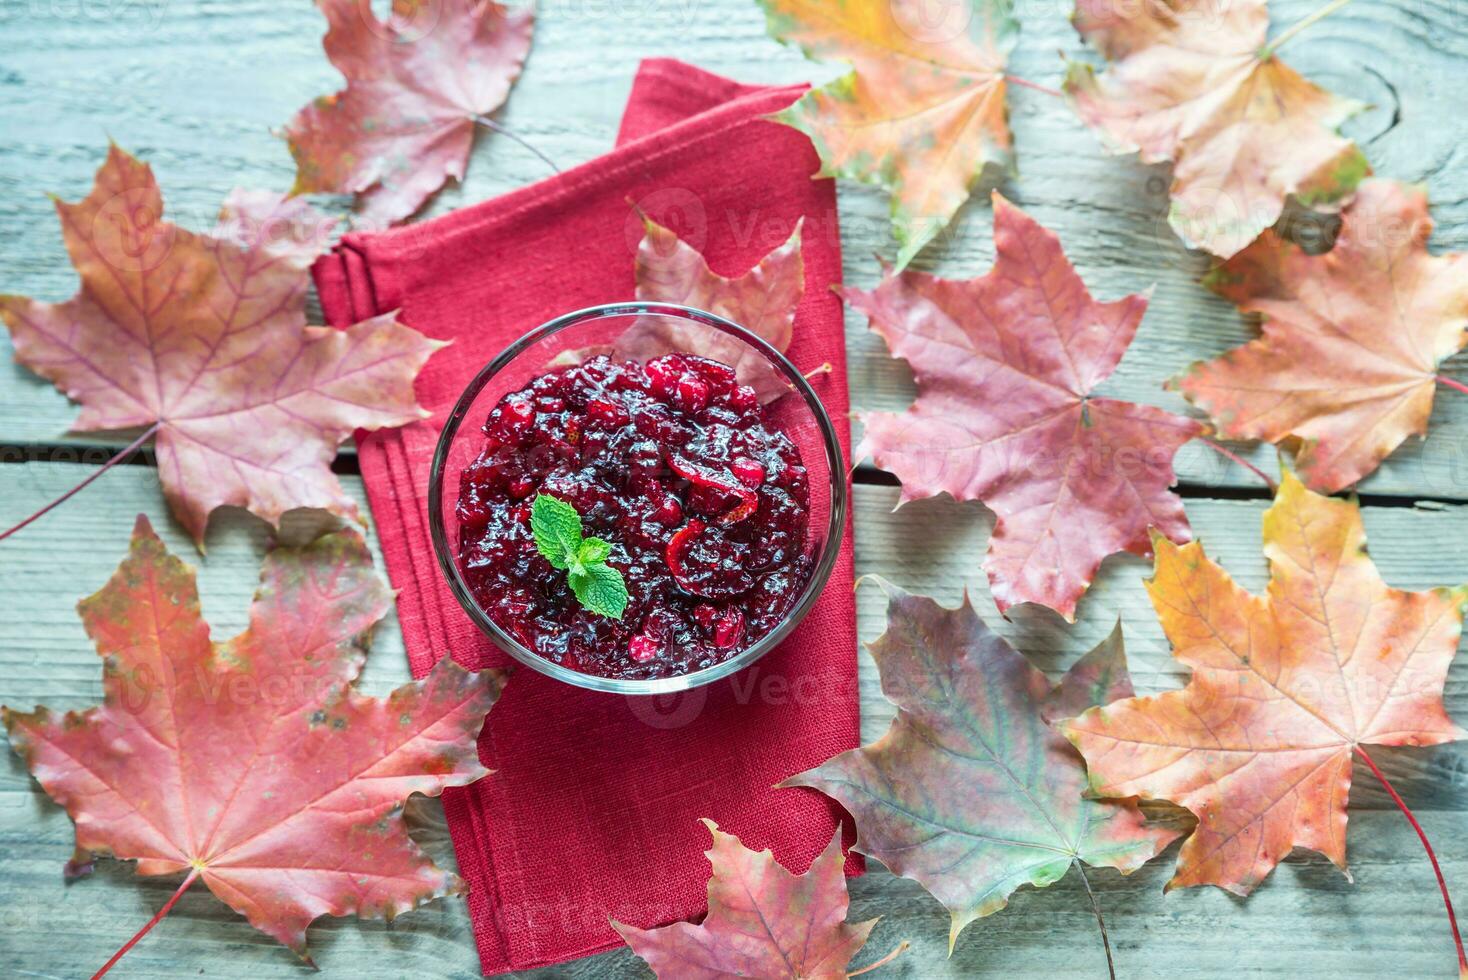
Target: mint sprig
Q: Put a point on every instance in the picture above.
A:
(556, 526)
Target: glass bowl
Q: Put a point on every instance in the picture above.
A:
(797, 411)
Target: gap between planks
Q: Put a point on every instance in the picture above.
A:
(865, 474)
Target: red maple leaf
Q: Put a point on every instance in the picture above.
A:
(204, 340)
(762, 299)
(1005, 365)
(415, 87)
(762, 921)
(252, 764)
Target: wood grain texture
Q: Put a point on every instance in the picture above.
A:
(1306, 920)
(195, 87)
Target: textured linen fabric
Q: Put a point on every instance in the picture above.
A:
(592, 809)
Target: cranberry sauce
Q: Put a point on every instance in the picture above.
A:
(675, 464)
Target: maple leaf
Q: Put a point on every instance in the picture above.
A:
(762, 921)
(206, 340)
(415, 88)
(762, 300)
(1193, 82)
(922, 112)
(1005, 365)
(252, 764)
(1285, 689)
(971, 793)
(1347, 364)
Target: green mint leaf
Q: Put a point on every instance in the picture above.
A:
(557, 530)
(601, 589)
(594, 551)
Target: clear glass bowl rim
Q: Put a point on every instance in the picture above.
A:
(830, 548)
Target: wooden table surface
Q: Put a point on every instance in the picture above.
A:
(195, 86)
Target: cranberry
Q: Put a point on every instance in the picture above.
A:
(675, 463)
(721, 377)
(642, 648)
(516, 414)
(520, 487)
(706, 562)
(747, 471)
(670, 511)
(607, 413)
(692, 394)
(663, 375)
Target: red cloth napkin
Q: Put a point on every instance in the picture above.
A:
(594, 805)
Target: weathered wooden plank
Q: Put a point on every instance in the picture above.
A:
(196, 85)
(1306, 920)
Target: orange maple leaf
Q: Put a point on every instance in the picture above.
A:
(1346, 368)
(922, 113)
(1193, 82)
(205, 340)
(1286, 689)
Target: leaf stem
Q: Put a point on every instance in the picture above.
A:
(493, 126)
(1442, 883)
(896, 952)
(1026, 83)
(1100, 921)
(1443, 379)
(193, 875)
(119, 457)
(1227, 453)
(823, 368)
(1272, 48)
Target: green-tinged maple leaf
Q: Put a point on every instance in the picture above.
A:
(971, 793)
(252, 764)
(923, 110)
